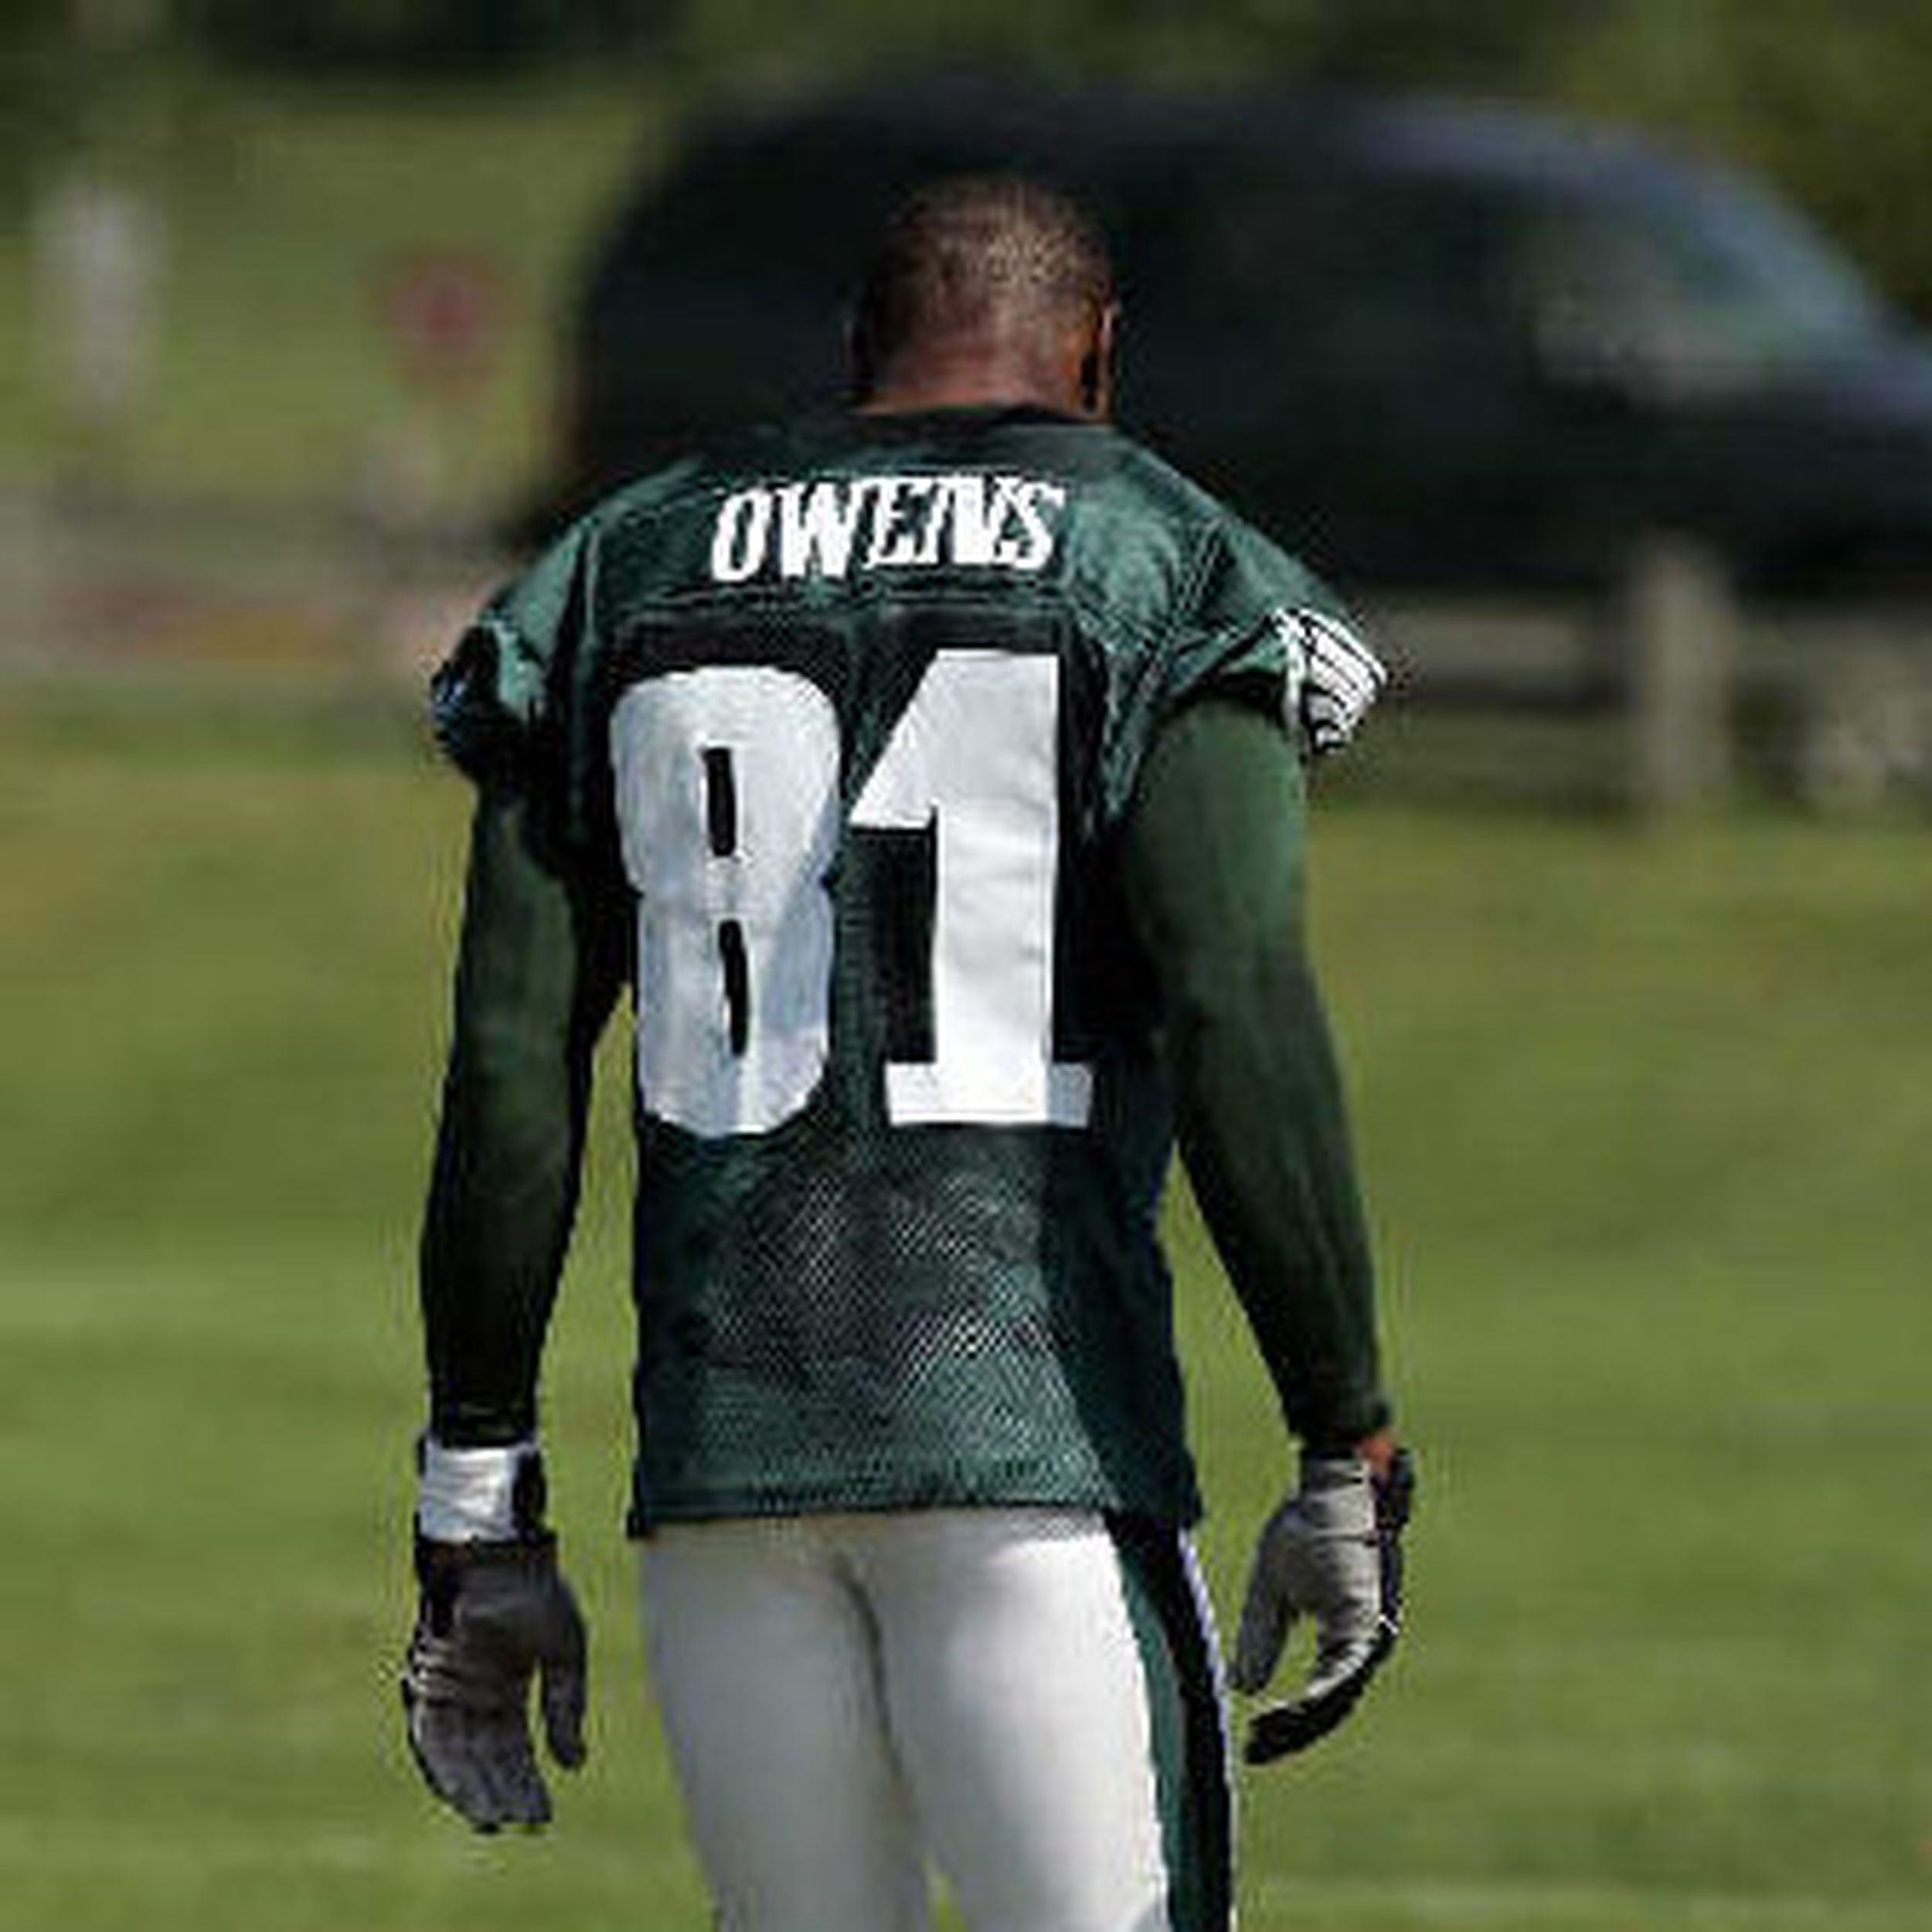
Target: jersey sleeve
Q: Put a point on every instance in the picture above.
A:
(538, 970)
(540, 964)
(492, 700)
(1261, 628)
(1259, 1102)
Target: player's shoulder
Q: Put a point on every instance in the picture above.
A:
(541, 629)
(644, 513)
(1236, 613)
(1152, 549)
(1135, 471)
(1221, 534)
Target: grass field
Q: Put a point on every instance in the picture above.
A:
(1646, 1121)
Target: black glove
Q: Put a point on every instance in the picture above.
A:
(492, 1615)
(1333, 1552)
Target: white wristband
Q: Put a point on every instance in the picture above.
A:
(469, 1495)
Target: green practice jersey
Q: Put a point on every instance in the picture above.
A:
(842, 725)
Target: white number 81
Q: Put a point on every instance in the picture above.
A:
(727, 793)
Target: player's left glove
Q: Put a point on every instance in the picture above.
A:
(1332, 1552)
(1333, 678)
(494, 1614)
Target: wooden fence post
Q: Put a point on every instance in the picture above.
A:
(1676, 621)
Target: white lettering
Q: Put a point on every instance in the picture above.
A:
(974, 522)
(961, 518)
(898, 535)
(939, 504)
(885, 512)
(816, 525)
(1035, 542)
(738, 539)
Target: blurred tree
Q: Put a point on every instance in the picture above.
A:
(733, 44)
(1828, 103)
(1489, 46)
(40, 87)
(419, 39)
(1383, 42)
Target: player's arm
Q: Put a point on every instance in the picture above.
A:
(1213, 869)
(1213, 865)
(538, 966)
(539, 969)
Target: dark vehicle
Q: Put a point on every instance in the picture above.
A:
(1424, 343)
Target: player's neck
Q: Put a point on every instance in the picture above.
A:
(969, 377)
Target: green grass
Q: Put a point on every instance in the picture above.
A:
(1645, 1120)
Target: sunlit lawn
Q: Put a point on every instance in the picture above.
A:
(1645, 1122)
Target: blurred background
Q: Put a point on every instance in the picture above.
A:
(1583, 346)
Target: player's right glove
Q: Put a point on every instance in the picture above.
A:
(494, 1613)
(1332, 1552)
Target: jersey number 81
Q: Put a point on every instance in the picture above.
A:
(728, 798)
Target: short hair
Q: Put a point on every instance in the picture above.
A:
(973, 252)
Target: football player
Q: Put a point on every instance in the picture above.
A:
(932, 776)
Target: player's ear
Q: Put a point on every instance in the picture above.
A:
(1097, 362)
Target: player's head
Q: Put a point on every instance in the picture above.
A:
(990, 279)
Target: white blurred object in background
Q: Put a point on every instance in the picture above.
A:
(98, 260)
